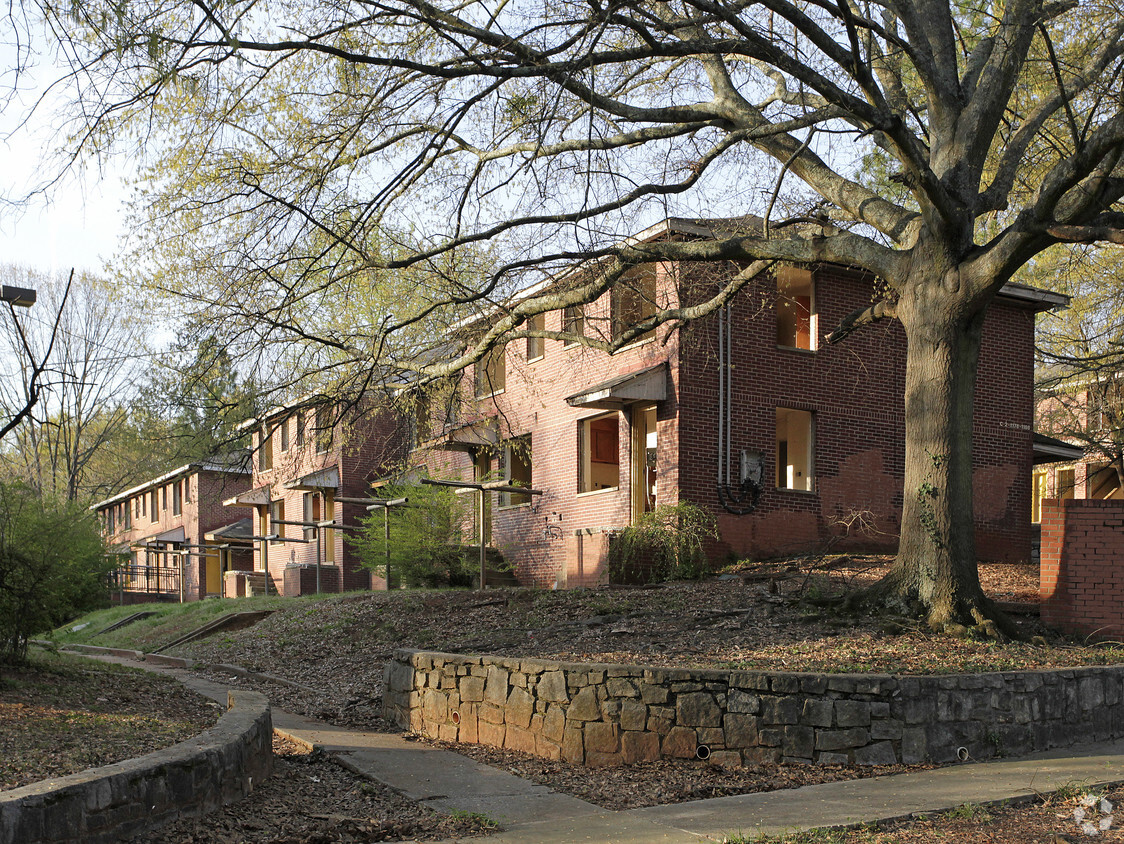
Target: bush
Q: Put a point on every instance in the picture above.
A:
(667, 543)
(426, 538)
(52, 566)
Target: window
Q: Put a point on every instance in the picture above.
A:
(536, 346)
(265, 453)
(1037, 495)
(323, 432)
(796, 316)
(284, 435)
(277, 514)
(491, 373)
(600, 453)
(128, 516)
(1065, 480)
(177, 497)
(794, 450)
(300, 429)
(633, 300)
(109, 518)
(573, 322)
(516, 470)
(311, 512)
(187, 489)
(152, 513)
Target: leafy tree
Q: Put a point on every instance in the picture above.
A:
(310, 151)
(426, 538)
(52, 565)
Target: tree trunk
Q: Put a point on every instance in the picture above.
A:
(936, 564)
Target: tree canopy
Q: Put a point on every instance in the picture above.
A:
(420, 159)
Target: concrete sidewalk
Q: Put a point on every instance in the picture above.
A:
(535, 813)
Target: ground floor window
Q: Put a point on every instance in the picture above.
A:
(1038, 494)
(599, 445)
(795, 444)
(516, 470)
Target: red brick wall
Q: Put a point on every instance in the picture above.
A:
(364, 445)
(855, 392)
(1082, 582)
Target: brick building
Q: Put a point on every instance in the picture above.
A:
(159, 530)
(314, 464)
(791, 443)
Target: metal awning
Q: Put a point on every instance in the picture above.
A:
(1051, 450)
(239, 531)
(646, 385)
(254, 498)
(320, 479)
(467, 437)
(174, 535)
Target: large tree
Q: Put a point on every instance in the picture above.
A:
(310, 148)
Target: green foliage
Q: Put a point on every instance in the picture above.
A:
(425, 538)
(52, 566)
(667, 543)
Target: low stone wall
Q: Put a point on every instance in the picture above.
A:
(620, 714)
(116, 801)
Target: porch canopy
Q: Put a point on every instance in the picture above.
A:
(646, 385)
(259, 497)
(315, 481)
(1051, 450)
(240, 532)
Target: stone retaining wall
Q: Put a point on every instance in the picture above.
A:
(116, 801)
(620, 714)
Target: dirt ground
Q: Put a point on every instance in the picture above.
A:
(758, 617)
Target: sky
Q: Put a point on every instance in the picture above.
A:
(78, 223)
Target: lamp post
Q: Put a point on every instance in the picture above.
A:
(17, 297)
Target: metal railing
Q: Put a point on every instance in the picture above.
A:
(142, 578)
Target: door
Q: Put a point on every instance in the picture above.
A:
(644, 460)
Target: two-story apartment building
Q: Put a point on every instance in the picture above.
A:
(313, 464)
(794, 445)
(159, 530)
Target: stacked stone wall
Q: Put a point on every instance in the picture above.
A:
(597, 714)
(119, 801)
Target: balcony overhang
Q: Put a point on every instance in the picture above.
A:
(259, 497)
(647, 386)
(468, 437)
(1051, 450)
(315, 481)
(240, 531)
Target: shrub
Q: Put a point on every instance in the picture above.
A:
(426, 541)
(52, 566)
(667, 543)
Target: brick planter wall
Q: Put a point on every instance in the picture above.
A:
(1082, 582)
(620, 714)
(118, 801)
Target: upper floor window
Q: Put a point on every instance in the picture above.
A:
(177, 497)
(265, 452)
(536, 346)
(284, 431)
(324, 429)
(152, 512)
(300, 429)
(573, 322)
(633, 300)
(491, 373)
(796, 303)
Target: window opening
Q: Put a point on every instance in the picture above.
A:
(633, 300)
(796, 321)
(600, 453)
(491, 373)
(516, 470)
(794, 449)
(536, 346)
(573, 322)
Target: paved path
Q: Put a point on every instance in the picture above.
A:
(535, 813)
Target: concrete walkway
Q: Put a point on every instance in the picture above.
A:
(535, 813)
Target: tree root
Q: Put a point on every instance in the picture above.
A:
(968, 617)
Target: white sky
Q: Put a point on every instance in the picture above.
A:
(77, 224)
